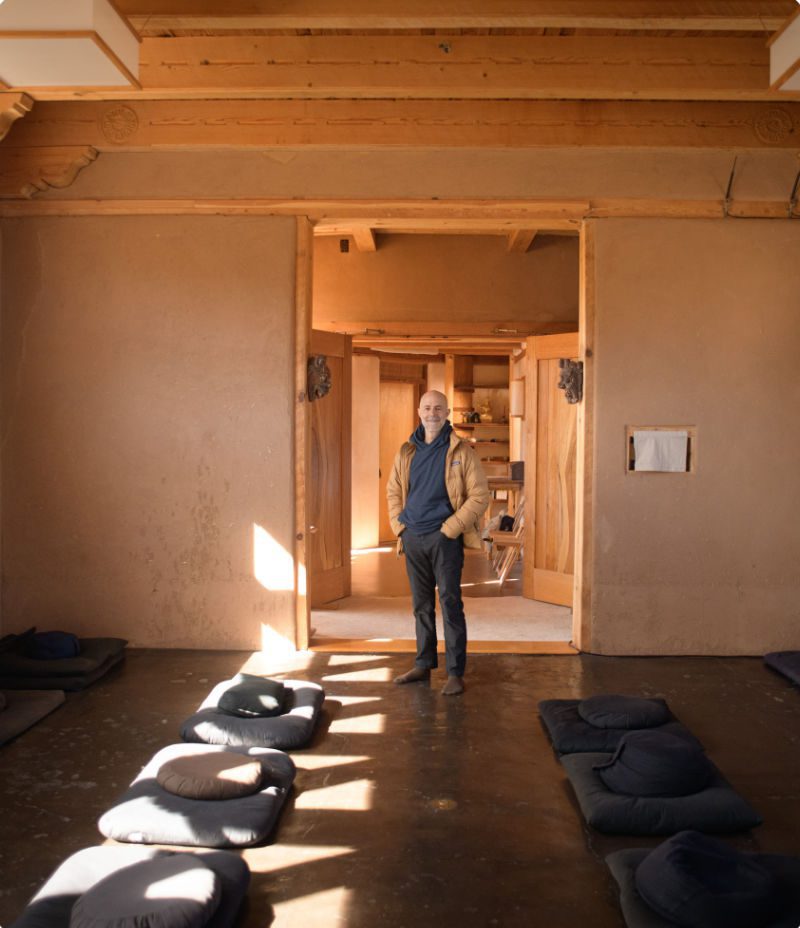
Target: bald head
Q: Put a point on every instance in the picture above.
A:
(433, 413)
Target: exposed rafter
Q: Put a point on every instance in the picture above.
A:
(166, 16)
(521, 240)
(364, 238)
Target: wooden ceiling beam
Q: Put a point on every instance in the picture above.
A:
(521, 240)
(494, 212)
(448, 67)
(364, 238)
(163, 16)
(381, 124)
(448, 225)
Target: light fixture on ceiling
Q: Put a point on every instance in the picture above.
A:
(784, 56)
(63, 44)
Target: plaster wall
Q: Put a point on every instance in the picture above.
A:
(455, 278)
(365, 492)
(698, 323)
(147, 383)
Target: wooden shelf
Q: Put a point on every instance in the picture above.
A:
(481, 425)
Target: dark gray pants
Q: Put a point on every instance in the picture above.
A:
(432, 561)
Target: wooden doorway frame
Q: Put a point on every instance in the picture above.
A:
(582, 595)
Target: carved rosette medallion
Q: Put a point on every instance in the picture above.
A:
(773, 126)
(119, 124)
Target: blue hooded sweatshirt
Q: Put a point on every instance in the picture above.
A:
(427, 504)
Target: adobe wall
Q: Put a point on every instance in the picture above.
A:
(147, 378)
(698, 323)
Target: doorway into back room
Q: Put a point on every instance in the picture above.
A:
(454, 313)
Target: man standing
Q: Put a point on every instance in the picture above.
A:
(437, 493)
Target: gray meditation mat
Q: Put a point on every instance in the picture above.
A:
(146, 813)
(570, 734)
(289, 731)
(52, 905)
(24, 708)
(716, 809)
(96, 658)
(638, 913)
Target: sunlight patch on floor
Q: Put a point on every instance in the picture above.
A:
(371, 675)
(352, 796)
(330, 907)
(374, 724)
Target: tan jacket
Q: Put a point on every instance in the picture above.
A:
(466, 488)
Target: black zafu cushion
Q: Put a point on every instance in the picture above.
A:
(693, 879)
(165, 892)
(786, 870)
(253, 697)
(715, 809)
(656, 763)
(626, 712)
(52, 905)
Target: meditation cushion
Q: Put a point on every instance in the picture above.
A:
(146, 813)
(628, 712)
(291, 730)
(20, 672)
(716, 808)
(693, 879)
(53, 904)
(50, 646)
(782, 910)
(571, 733)
(786, 663)
(253, 696)
(656, 763)
(217, 775)
(174, 893)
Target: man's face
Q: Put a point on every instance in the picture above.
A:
(433, 412)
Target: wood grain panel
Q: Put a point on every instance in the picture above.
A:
(328, 501)
(147, 124)
(456, 66)
(555, 469)
(551, 427)
(326, 473)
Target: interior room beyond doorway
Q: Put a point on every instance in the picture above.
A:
(453, 313)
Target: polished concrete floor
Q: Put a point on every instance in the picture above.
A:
(409, 809)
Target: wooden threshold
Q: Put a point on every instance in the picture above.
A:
(326, 645)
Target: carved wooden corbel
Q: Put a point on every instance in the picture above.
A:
(571, 379)
(13, 104)
(25, 172)
(319, 377)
